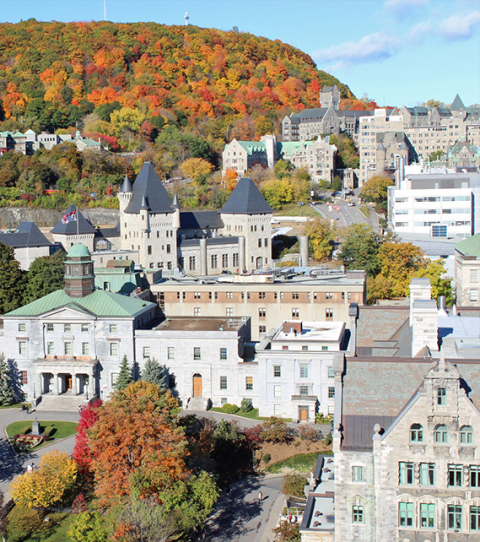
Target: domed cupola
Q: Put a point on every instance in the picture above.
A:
(79, 277)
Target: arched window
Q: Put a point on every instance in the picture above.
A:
(466, 434)
(441, 434)
(416, 433)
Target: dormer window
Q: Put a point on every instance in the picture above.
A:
(441, 396)
(416, 433)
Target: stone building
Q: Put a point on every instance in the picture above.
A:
(467, 272)
(241, 156)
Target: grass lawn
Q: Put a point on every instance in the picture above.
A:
(252, 415)
(62, 429)
(302, 463)
(15, 405)
(25, 526)
(295, 210)
(365, 209)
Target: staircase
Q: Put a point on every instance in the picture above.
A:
(62, 403)
(197, 403)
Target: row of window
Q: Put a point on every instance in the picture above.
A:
(67, 328)
(302, 390)
(67, 348)
(262, 295)
(304, 370)
(197, 353)
(262, 313)
(441, 434)
(457, 475)
(248, 383)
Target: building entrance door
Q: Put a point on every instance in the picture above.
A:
(68, 382)
(303, 411)
(197, 385)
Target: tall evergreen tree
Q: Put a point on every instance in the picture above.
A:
(154, 372)
(12, 280)
(7, 393)
(124, 376)
(45, 275)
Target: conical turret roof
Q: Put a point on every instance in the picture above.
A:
(246, 199)
(149, 185)
(127, 185)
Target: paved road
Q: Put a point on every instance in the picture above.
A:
(239, 517)
(347, 215)
(12, 464)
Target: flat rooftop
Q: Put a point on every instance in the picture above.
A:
(184, 323)
(253, 280)
(313, 332)
(320, 510)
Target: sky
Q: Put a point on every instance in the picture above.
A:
(398, 52)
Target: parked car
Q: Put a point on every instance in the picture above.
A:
(351, 204)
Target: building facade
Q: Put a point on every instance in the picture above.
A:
(467, 272)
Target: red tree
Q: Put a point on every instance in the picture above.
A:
(82, 452)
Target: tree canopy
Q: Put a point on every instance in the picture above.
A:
(375, 189)
(321, 235)
(46, 275)
(12, 280)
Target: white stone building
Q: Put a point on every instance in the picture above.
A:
(29, 243)
(467, 272)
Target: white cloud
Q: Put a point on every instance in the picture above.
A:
(403, 8)
(372, 48)
(460, 26)
(421, 30)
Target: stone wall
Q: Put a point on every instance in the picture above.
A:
(10, 217)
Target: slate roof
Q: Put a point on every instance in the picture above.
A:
(379, 323)
(27, 235)
(149, 185)
(100, 303)
(126, 185)
(457, 104)
(246, 199)
(470, 247)
(191, 220)
(108, 232)
(84, 225)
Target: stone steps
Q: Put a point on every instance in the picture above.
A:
(66, 403)
(197, 403)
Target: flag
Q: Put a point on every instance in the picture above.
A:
(69, 217)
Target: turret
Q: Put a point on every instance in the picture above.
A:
(125, 194)
(144, 209)
(176, 216)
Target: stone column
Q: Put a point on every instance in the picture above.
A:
(40, 385)
(241, 254)
(91, 383)
(55, 384)
(74, 384)
(304, 251)
(203, 256)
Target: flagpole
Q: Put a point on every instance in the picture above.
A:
(76, 216)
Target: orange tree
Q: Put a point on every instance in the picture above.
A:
(136, 444)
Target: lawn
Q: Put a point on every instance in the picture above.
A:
(61, 429)
(302, 463)
(295, 210)
(15, 405)
(28, 526)
(365, 209)
(252, 415)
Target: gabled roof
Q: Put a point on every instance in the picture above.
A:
(457, 104)
(470, 247)
(191, 220)
(253, 146)
(149, 185)
(84, 226)
(246, 199)
(100, 303)
(27, 235)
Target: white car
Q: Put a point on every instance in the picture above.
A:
(351, 204)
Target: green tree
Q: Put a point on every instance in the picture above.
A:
(124, 377)
(46, 275)
(324, 185)
(154, 372)
(7, 394)
(337, 183)
(360, 248)
(375, 189)
(441, 285)
(294, 485)
(321, 235)
(347, 153)
(435, 155)
(88, 527)
(126, 119)
(275, 430)
(278, 192)
(283, 169)
(12, 280)
(287, 532)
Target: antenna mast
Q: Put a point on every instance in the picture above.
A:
(187, 18)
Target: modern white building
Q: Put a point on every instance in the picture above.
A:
(436, 204)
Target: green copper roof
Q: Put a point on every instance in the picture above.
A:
(253, 146)
(78, 251)
(470, 246)
(100, 303)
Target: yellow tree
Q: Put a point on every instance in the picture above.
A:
(321, 233)
(43, 488)
(278, 192)
(126, 119)
(197, 169)
(375, 189)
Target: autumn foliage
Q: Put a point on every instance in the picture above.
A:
(82, 453)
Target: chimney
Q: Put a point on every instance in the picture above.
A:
(420, 289)
(424, 324)
(292, 327)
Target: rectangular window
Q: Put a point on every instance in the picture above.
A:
(50, 349)
(191, 263)
(261, 295)
(223, 382)
(67, 328)
(455, 475)
(114, 378)
(474, 476)
(405, 473)
(427, 516)
(114, 349)
(277, 410)
(277, 391)
(357, 474)
(249, 383)
(236, 259)
(146, 352)
(331, 374)
(262, 329)
(223, 401)
(24, 377)
(305, 347)
(197, 311)
(22, 327)
(441, 396)
(474, 295)
(223, 354)
(304, 370)
(224, 261)
(171, 352)
(22, 347)
(197, 295)
(85, 349)
(49, 328)
(214, 261)
(473, 275)
(262, 313)
(149, 250)
(295, 313)
(197, 353)
(113, 328)
(331, 392)
(295, 295)
(67, 348)
(229, 311)
(454, 513)
(405, 514)
(427, 474)
(304, 390)
(277, 370)
(328, 314)
(357, 514)
(259, 243)
(475, 518)
(84, 328)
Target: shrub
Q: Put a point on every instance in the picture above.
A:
(266, 458)
(275, 430)
(294, 484)
(45, 437)
(328, 439)
(230, 409)
(16, 436)
(308, 433)
(322, 419)
(79, 504)
(25, 431)
(246, 405)
(48, 430)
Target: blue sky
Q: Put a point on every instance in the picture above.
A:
(399, 52)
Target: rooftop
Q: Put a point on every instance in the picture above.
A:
(246, 199)
(201, 324)
(470, 247)
(312, 332)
